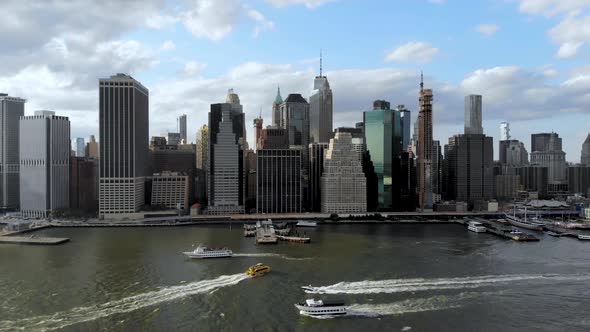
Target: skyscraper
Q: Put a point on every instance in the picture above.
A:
(124, 131)
(11, 109)
(383, 140)
(424, 148)
(320, 110)
(513, 153)
(173, 139)
(80, 147)
(92, 148)
(182, 128)
(473, 115)
(406, 117)
(585, 156)
(504, 131)
(226, 172)
(202, 147)
(316, 169)
(540, 142)
(278, 178)
(344, 185)
(548, 153)
(44, 163)
(276, 109)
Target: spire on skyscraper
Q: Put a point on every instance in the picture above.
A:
(421, 80)
(320, 62)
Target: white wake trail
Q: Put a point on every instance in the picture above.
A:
(85, 314)
(269, 254)
(423, 284)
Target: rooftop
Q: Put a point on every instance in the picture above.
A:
(295, 98)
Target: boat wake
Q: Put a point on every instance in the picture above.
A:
(423, 284)
(270, 254)
(78, 315)
(439, 302)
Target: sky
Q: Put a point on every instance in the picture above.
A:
(527, 58)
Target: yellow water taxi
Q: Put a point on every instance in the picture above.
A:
(258, 270)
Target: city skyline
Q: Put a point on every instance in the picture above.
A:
(180, 52)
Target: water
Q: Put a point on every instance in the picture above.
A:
(394, 277)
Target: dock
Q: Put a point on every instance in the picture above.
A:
(294, 239)
(502, 230)
(39, 240)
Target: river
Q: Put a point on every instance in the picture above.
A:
(393, 277)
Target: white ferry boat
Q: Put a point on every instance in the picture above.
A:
(476, 227)
(314, 307)
(583, 237)
(206, 252)
(306, 223)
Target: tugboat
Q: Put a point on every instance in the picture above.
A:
(206, 252)
(258, 270)
(314, 307)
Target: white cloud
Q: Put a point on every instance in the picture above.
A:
(552, 7)
(488, 29)
(412, 51)
(167, 46)
(193, 68)
(211, 19)
(307, 3)
(437, 1)
(262, 23)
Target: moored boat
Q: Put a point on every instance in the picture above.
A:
(314, 307)
(476, 227)
(306, 223)
(583, 237)
(207, 252)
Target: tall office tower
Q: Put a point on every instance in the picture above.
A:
(276, 109)
(316, 169)
(540, 142)
(44, 163)
(579, 179)
(424, 148)
(358, 139)
(273, 138)
(320, 110)
(585, 156)
(470, 159)
(226, 172)
(344, 186)
(84, 184)
(548, 153)
(124, 137)
(383, 141)
(92, 148)
(504, 131)
(406, 117)
(473, 115)
(513, 153)
(437, 160)
(171, 190)
(80, 147)
(278, 178)
(258, 127)
(251, 170)
(203, 147)
(11, 109)
(182, 128)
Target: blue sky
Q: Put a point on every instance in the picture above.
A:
(526, 57)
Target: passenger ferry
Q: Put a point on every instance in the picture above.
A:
(206, 252)
(583, 237)
(306, 223)
(476, 227)
(314, 307)
(258, 270)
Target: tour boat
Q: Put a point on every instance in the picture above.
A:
(583, 237)
(305, 223)
(476, 227)
(258, 270)
(206, 252)
(314, 307)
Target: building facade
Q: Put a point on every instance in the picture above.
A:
(316, 169)
(170, 190)
(84, 184)
(548, 153)
(320, 111)
(343, 183)
(424, 148)
(513, 153)
(80, 147)
(92, 148)
(11, 109)
(44, 163)
(226, 184)
(585, 155)
(579, 179)
(279, 186)
(504, 131)
(182, 128)
(276, 109)
(173, 139)
(124, 131)
(406, 118)
(473, 120)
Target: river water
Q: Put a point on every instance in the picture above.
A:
(394, 277)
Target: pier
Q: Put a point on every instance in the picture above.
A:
(39, 240)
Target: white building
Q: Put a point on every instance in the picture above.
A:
(11, 109)
(344, 186)
(170, 189)
(44, 163)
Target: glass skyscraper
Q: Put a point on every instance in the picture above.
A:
(383, 138)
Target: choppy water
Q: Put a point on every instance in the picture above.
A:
(393, 277)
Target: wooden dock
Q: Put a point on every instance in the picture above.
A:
(39, 240)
